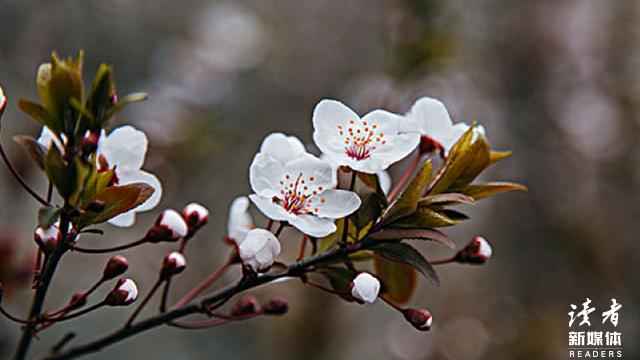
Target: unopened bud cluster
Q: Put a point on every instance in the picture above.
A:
(48, 238)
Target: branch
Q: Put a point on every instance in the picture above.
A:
(295, 270)
(41, 290)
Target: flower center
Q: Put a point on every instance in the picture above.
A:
(296, 196)
(361, 139)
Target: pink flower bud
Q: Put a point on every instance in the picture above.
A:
(89, 143)
(3, 101)
(174, 263)
(195, 215)
(125, 293)
(478, 251)
(78, 300)
(276, 306)
(49, 237)
(115, 267)
(421, 319)
(365, 287)
(248, 305)
(169, 226)
(259, 249)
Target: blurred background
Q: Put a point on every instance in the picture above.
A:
(556, 82)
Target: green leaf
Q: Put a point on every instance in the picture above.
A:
(373, 201)
(467, 159)
(399, 279)
(340, 280)
(85, 179)
(58, 82)
(413, 234)
(492, 188)
(424, 218)
(407, 203)
(495, 156)
(35, 111)
(99, 100)
(117, 200)
(33, 148)
(446, 199)
(403, 253)
(47, 216)
(59, 172)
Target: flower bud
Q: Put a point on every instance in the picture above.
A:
(478, 251)
(3, 101)
(115, 267)
(365, 287)
(174, 263)
(421, 319)
(170, 226)
(195, 215)
(125, 293)
(276, 306)
(49, 238)
(259, 249)
(89, 143)
(248, 305)
(78, 300)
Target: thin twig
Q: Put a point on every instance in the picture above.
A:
(108, 250)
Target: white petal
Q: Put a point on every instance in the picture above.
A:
(365, 287)
(270, 209)
(396, 149)
(264, 174)
(310, 166)
(327, 115)
(47, 137)
(240, 221)
(124, 220)
(125, 147)
(282, 147)
(385, 181)
(431, 116)
(131, 176)
(336, 204)
(313, 226)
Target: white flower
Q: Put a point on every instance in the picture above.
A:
(282, 147)
(430, 118)
(368, 144)
(365, 287)
(384, 178)
(124, 150)
(239, 222)
(300, 192)
(259, 249)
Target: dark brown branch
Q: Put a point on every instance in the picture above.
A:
(295, 270)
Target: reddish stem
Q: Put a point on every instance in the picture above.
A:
(303, 247)
(215, 276)
(407, 174)
(144, 302)
(442, 261)
(391, 303)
